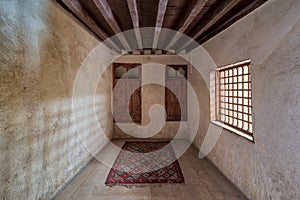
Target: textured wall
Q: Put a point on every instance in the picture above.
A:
(270, 37)
(202, 93)
(39, 57)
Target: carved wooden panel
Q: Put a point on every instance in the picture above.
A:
(127, 95)
(176, 93)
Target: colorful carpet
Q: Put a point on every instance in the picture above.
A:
(145, 163)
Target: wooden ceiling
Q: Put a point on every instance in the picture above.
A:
(198, 19)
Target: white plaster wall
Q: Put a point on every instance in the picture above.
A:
(41, 50)
(270, 37)
(197, 81)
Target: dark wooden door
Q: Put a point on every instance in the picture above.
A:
(176, 93)
(127, 96)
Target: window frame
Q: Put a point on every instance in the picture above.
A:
(229, 87)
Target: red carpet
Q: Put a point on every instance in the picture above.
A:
(145, 163)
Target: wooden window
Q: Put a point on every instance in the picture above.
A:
(128, 77)
(233, 96)
(176, 93)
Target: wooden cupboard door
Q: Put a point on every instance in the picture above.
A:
(176, 99)
(127, 94)
(176, 93)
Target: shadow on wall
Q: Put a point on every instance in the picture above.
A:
(198, 84)
(40, 57)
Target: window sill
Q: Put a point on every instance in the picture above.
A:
(233, 130)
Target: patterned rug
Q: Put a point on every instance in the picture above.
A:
(145, 163)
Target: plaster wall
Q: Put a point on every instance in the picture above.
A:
(270, 37)
(41, 51)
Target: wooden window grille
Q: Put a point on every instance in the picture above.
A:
(233, 96)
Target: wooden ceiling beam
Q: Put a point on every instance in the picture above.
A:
(213, 17)
(162, 7)
(252, 6)
(132, 5)
(133, 10)
(217, 15)
(188, 21)
(194, 13)
(106, 11)
(79, 11)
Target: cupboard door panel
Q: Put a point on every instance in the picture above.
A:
(127, 96)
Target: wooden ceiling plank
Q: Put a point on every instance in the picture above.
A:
(132, 5)
(194, 13)
(217, 16)
(106, 11)
(82, 14)
(162, 7)
(214, 17)
(252, 6)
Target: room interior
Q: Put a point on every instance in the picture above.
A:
(65, 117)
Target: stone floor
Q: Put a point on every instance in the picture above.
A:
(202, 181)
